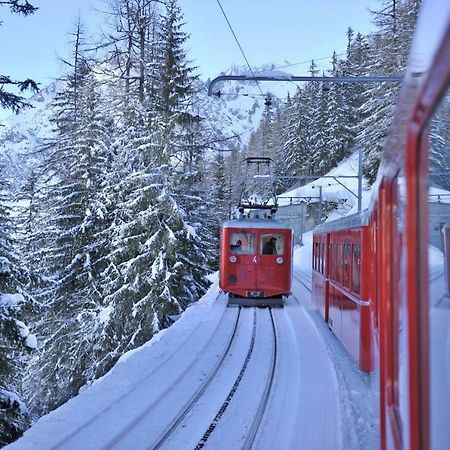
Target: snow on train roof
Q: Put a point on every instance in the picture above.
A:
(256, 223)
(352, 221)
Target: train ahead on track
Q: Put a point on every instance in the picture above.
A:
(256, 261)
(381, 279)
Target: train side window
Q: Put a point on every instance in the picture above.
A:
(356, 268)
(339, 263)
(332, 265)
(347, 265)
(271, 244)
(331, 261)
(318, 256)
(322, 260)
(242, 242)
(334, 268)
(438, 251)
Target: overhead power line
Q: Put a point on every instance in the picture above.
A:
(239, 45)
(307, 61)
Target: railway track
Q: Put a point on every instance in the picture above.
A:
(188, 406)
(303, 280)
(223, 420)
(218, 382)
(76, 438)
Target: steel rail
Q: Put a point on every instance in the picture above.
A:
(223, 408)
(163, 437)
(297, 277)
(91, 420)
(250, 439)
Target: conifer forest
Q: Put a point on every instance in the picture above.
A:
(112, 228)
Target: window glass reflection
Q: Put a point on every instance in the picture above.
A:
(271, 244)
(438, 252)
(243, 243)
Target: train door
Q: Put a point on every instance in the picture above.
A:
(243, 248)
(272, 256)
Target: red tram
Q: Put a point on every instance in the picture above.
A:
(380, 278)
(256, 261)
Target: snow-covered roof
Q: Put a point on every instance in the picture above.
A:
(438, 195)
(353, 221)
(333, 190)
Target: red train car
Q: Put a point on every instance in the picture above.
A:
(256, 261)
(398, 324)
(341, 285)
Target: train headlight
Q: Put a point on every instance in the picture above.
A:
(233, 259)
(280, 260)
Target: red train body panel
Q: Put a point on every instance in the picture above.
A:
(340, 289)
(252, 269)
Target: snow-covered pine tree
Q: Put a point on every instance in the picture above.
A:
(280, 131)
(29, 227)
(297, 130)
(440, 155)
(16, 341)
(389, 49)
(74, 215)
(183, 136)
(159, 252)
(317, 134)
(221, 190)
(337, 121)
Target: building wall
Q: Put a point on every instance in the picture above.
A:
(298, 217)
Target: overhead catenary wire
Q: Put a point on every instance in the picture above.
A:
(239, 45)
(308, 61)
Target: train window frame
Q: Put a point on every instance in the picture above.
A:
(263, 238)
(248, 240)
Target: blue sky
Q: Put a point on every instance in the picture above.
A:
(269, 31)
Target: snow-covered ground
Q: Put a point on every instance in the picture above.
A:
(318, 398)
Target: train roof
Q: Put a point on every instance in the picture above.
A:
(256, 223)
(357, 220)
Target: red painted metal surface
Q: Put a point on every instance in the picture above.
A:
(340, 291)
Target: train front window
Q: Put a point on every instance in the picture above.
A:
(439, 272)
(242, 243)
(271, 244)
